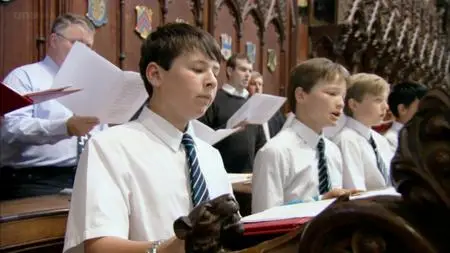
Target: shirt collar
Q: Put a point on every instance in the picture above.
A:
(50, 64)
(163, 129)
(397, 126)
(233, 91)
(359, 127)
(310, 137)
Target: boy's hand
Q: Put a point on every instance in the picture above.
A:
(241, 124)
(335, 193)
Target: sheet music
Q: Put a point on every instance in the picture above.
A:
(210, 135)
(239, 177)
(257, 110)
(308, 209)
(132, 97)
(41, 96)
(106, 90)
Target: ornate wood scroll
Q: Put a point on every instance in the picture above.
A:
(399, 40)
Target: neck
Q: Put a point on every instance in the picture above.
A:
(307, 121)
(164, 112)
(54, 57)
(364, 122)
(401, 121)
(237, 87)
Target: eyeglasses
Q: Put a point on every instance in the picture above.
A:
(72, 41)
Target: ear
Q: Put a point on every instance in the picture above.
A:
(52, 40)
(154, 74)
(402, 109)
(300, 95)
(229, 71)
(352, 104)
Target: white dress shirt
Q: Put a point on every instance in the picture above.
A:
(36, 135)
(392, 135)
(233, 91)
(360, 164)
(132, 182)
(286, 168)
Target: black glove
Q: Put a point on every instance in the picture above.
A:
(210, 225)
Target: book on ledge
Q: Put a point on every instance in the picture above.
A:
(11, 100)
(283, 219)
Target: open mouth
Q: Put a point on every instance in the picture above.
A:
(336, 114)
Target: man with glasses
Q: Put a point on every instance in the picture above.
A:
(40, 144)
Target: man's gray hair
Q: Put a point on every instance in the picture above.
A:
(63, 21)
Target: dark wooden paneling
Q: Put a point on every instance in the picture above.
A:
(225, 13)
(250, 34)
(271, 79)
(132, 40)
(180, 10)
(19, 30)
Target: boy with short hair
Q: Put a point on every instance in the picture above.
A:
(134, 180)
(300, 164)
(403, 103)
(365, 152)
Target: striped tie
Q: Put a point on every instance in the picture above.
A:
(199, 189)
(324, 180)
(380, 164)
(81, 142)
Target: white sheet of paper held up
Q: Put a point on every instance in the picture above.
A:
(257, 110)
(107, 92)
(210, 135)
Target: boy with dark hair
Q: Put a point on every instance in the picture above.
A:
(134, 180)
(239, 149)
(403, 103)
(300, 164)
(366, 153)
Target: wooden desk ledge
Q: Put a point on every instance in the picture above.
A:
(33, 222)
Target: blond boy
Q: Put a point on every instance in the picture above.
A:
(365, 152)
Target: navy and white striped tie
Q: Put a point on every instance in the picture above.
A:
(380, 163)
(81, 143)
(324, 180)
(199, 189)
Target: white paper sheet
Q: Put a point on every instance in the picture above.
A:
(257, 110)
(210, 135)
(308, 209)
(239, 177)
(107, 92)
(41, 96)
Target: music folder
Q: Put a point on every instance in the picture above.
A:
(274, 226)
(11, 100)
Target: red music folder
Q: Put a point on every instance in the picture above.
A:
(274, 227)
(11, 100)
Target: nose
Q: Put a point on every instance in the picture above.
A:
(340, 103)
(210, 80)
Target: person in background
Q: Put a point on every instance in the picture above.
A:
(403, 102)
(300, 164)
(239, 149)
(366, 154)
(271, 128)
(40, 144)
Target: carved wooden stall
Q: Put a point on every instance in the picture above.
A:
(398, 40)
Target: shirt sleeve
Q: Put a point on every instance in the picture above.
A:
(353, 171)
(267, 180)
(21, 126)
(100, 199)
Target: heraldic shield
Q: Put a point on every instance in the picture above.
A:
(98, 12)
(143, 21)
(250, 49)
(226, 45)
(271, 60)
